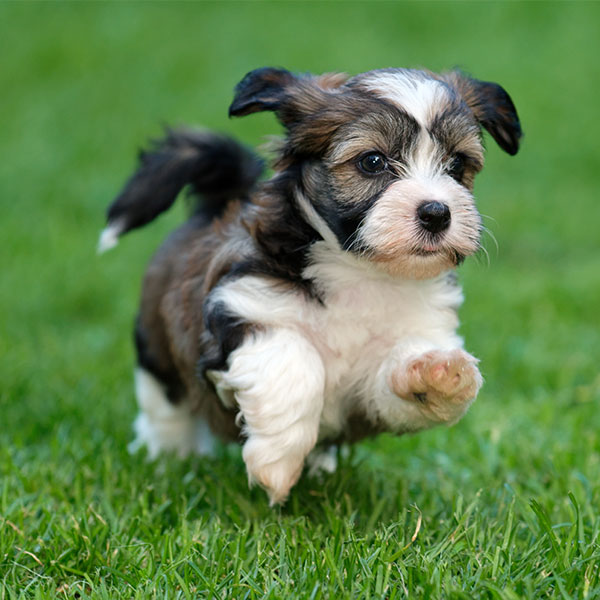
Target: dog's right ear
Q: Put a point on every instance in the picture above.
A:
(261, 89)
(294, 98)
(291, 97)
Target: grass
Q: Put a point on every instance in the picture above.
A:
(503, 505)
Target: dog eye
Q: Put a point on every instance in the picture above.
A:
(372, 163)
(456, 167)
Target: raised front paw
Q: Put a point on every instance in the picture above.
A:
(443, 383)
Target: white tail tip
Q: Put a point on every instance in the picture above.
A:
(109, 237)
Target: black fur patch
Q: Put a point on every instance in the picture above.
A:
(281, 233)
(345, 221)
(227, 333)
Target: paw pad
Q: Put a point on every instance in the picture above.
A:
(442, 383)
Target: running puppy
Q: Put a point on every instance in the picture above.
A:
(320, 305)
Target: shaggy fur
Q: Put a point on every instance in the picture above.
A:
(318, 306)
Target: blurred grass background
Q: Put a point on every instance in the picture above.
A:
(83, 86)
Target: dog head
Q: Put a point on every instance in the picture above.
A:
(385, 161)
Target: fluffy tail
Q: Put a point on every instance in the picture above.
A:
(215, 167)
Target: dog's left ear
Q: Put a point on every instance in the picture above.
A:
(492, 107)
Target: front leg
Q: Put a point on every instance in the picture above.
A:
(420, 385)
(442, 383)
(278, 381)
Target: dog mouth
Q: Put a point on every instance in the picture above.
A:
(428, 250)
(437, 250)
(427, 244)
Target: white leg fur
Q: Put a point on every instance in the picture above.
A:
(279, 381)
(163, 426)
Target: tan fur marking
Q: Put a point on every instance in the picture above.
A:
(331, 81)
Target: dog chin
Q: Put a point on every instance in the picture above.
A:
(419, 264)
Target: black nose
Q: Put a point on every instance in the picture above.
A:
(434, 216)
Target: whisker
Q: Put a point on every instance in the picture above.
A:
(483, 251)
(489, 233)
(488, 217)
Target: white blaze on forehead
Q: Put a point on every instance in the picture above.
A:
(425, 162)
(422, 97)
(412, 91)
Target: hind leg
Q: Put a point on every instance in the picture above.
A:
(162, 426)
(321, 461)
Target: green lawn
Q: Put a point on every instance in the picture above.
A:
(503, 505)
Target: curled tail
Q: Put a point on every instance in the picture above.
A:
(215, 167)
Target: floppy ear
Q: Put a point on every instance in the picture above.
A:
(292, 97)
(492, 107)
(261, 89)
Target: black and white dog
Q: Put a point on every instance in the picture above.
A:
(318, 306)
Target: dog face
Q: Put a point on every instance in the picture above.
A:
(385, 161)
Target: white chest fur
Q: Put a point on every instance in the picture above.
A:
(363, 315)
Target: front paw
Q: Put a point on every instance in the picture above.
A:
(275, 473)
(442, 383)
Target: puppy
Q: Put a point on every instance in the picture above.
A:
(318, 306)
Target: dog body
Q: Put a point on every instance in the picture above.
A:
(321, 305)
